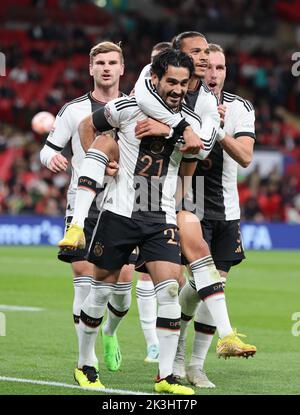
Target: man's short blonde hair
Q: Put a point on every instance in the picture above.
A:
(105, 47)
(213, 47)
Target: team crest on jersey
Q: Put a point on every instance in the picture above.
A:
(98, 249)
(206, 164)
(157, 147)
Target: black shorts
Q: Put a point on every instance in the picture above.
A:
(224, 241)
(117, 236)
(78, 254)
(133, 256)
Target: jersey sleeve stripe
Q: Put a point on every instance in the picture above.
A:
(247, 105)
(228, 100)
(80, 99)
(189, 160)
(245, 133)
(61, 111)
(126, 105)
(121, 102)
(53, 146)
(186, 109)
(231, 97)
(208, 144)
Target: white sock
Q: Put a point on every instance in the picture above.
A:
(210, 289)
(91, 173)
(188, 300)
(117, 307)
(204, 333)
(91, 317)
(168, 324)
(82, 286)
(83, 201)
(147, 306)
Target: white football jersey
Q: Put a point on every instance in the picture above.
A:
(148, 168)
(221, 199)
(64, 132)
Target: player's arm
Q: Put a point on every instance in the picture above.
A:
(150, 127)
(240, 147)
(197, 127)
(207, 109)
(90, 125)
(50, 155)
(186, 172)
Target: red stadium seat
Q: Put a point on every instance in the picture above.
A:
(7, 159)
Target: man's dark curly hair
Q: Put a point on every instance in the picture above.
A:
(171, 57)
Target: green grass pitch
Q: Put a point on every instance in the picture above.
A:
(262, 295)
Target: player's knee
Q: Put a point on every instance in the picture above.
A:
(107, 145)
(194, 248)
(168, 308)
(82, 268)
(181, 280)
(168, 294)
(121, 299)
(223, 274)
(106, 276)
(99, 297)
(144, 277)
(126, 274)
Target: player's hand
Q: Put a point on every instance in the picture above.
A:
(193, 143)
(150, 127)
(112, 168)
(222, 111)
(58, 163)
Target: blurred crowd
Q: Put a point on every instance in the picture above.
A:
(226, 16)
(29, 188)
(261, 75)
(275, 198)
(33, 189)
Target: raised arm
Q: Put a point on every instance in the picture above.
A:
(184, 182)
(240, 146)
(207, 109)
(208, 140)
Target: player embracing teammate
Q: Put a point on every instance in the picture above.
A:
(206, 279)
